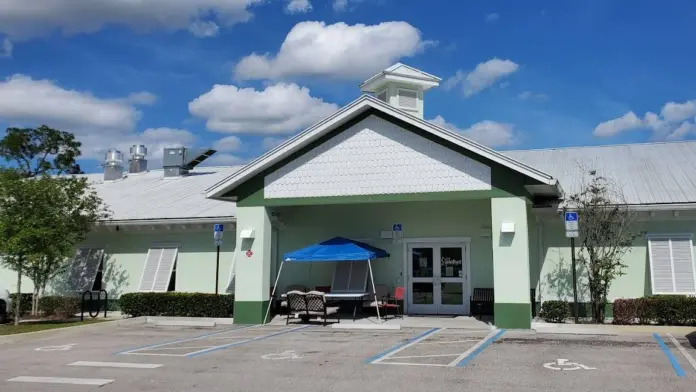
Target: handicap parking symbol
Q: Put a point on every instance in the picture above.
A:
(563, 364)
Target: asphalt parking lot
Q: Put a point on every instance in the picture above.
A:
(315, 358)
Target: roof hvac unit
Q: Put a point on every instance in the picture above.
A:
(113, 165)
(137, 163)
(178, 161)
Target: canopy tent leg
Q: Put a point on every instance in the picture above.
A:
(275, 287)
(374, 290)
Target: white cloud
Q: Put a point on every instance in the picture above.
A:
(490, 133)
(25, 19)
(624, 123)
(339, 50)
(98, 123)
(492, 17)
(228, 144)
(340, 5)
(280, 108)
(675, 112)
(224, 159)
(204, 28)
(43, 101)
(298, 6)
(527, 95)
(670, 124)
(6, 48)
(482, 77)
(269, 142)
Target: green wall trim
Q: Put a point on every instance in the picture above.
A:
(505, 182)
(249, 312)
(512, 316)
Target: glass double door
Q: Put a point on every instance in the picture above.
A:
(437, 278)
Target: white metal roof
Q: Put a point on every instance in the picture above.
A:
(149, 196)
(650, 173)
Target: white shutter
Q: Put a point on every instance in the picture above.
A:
(358, 277)
(84, 268)
(382, 96)
(683, 266)
(147, 280)
(408, 99)
(672, 265)
(164, 270)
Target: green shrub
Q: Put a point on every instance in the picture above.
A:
(555, 311)
(25, 304)
(625, 311)
(177, 304)
(56, 305)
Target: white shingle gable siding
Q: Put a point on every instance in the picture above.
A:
(376, 157)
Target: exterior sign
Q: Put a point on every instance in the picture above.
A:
(572, 225)
(397, 233)
(218, 229)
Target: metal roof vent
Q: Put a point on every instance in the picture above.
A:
(137, 163)
(178, 161)
(113, 165)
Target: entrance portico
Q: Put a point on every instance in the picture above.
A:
(464, 209)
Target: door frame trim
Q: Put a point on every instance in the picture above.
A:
(466, 241)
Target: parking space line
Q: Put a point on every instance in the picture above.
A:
(178, 348)
(452, 341)
(425, 356)
(401, 346)
(126, 365)
(682, 350)
(415, 364)
(158, 355)
(62, 380)
(675, 364)
(131, 351)
(471, 353)
(216, 348)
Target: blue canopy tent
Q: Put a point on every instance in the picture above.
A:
(337, 249)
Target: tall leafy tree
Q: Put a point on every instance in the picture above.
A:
(42, 150)
(45, 211)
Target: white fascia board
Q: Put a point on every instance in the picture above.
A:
(173, 221)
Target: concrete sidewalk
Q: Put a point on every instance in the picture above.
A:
(609, 329)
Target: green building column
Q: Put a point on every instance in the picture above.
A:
(253, 266)
(512, 308)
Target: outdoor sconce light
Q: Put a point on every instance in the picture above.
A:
(507, 227)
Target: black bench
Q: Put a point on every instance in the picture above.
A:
(481, 302)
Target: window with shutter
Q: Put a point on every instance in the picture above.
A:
(408, 99)
(157, 272)
(672, 269)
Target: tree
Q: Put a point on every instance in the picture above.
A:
(42, 150)
(607, 231)
(73, 208)
(45, 211)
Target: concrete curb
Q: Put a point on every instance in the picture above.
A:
(205, 322)
(390, 327)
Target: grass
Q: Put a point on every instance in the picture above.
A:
(9, 329)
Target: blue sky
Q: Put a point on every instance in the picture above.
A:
(243, 75)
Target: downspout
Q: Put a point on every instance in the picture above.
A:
(540, 258)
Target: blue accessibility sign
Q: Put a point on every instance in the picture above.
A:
(396, 227)
(571, 216)
(218, 227)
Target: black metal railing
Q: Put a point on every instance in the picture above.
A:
(93, 313)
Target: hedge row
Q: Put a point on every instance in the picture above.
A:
(555, 311)
(49, 305)
(657, 309)
(177, 304)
